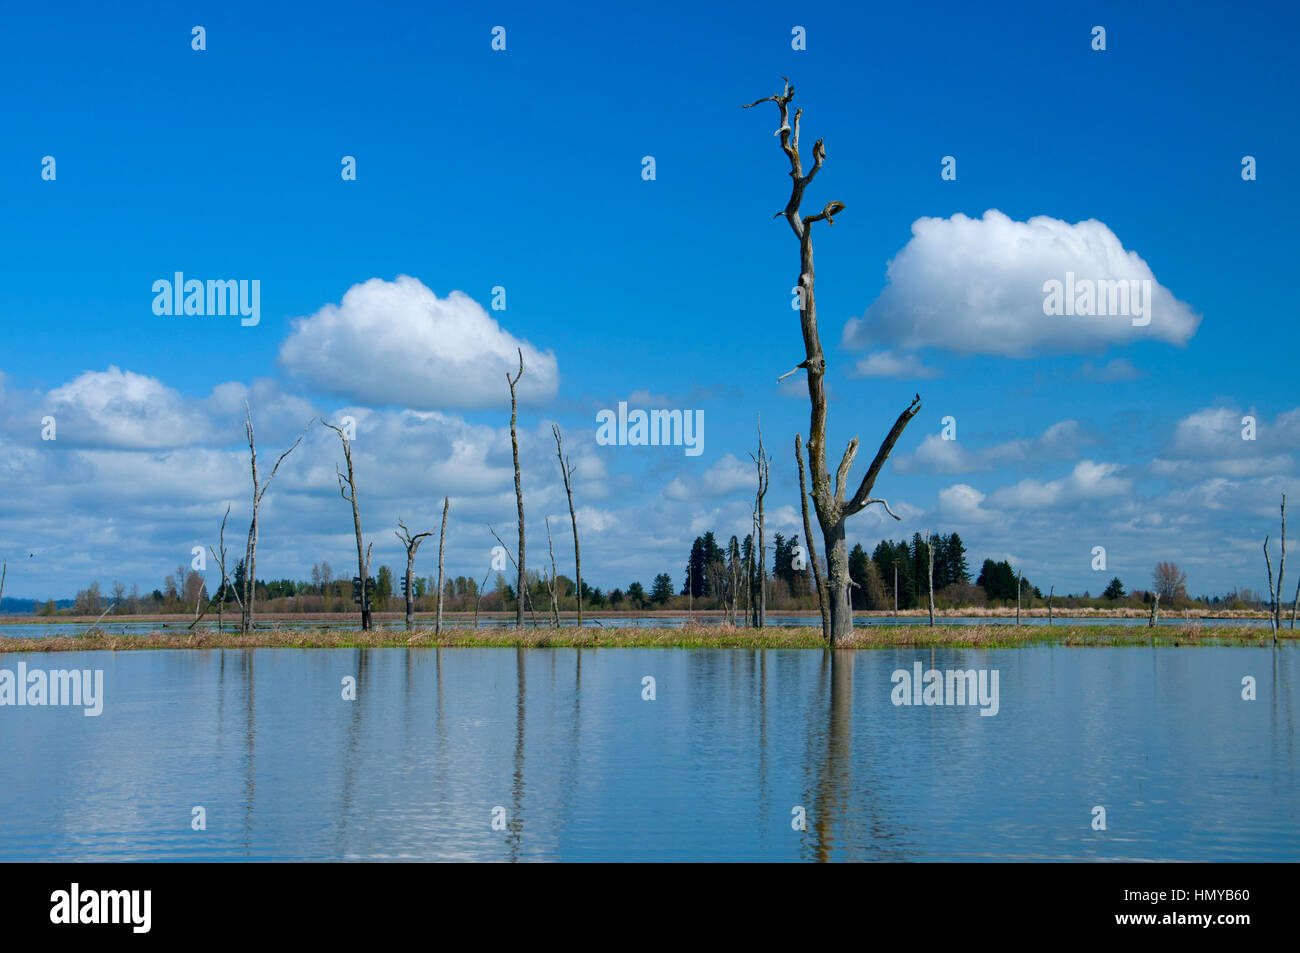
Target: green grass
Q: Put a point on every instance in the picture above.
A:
(689, 637)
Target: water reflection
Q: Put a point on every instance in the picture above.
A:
(713, 768)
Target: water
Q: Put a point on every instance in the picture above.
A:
(346, 623)
(585, 769)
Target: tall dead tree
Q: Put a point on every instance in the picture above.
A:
(412, 544)
(4, 571)
(349, 493)
(1275, 594)
(566, 471)
(442, 552)
(832, 507)
(761, 462)
(519, 493)
(929, 550)
(808, 535)
(553, 581)
(259, 491)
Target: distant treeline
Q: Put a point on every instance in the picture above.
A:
(711, 578)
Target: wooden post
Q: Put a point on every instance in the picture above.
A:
(1017, 598)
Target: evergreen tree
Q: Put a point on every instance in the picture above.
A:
(662, 590)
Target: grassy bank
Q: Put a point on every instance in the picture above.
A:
(704, 637)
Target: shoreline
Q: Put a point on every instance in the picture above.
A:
(719, 637)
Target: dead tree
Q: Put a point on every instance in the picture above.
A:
(762, 464)
(220, 599)
(1155, 611)
(553, 581)
(523, 592)
(349, 493)
(519, 493)
(4, 571)
(412, 544)
(1050, 593)
(832, 507)
(930, 552)
(1275, 594)
(808, 535)
(259, 491)
(1018, 589)
(566, 471)
(478, 596)
(442, 551)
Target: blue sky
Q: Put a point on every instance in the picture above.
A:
(522, 169)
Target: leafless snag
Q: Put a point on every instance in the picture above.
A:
(220, 598)
(259, 491)
(808, 535)
(929, 549)
(761, 462)
(1275, 594)
(519, 493)
(349, 493)
(566, 471)
(522, 593)
(832, 509)
(552, 582)
(442, 550)
(478, 596)
(412, 544)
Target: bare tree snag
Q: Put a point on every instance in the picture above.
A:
(349, 493)
(478, 596)
(259, 491)
(220, 598)
(832, 508)
(442, 550)
(566, 471)
(552, 582)
(929, 549)
(523, 594)
(519, 493)
(762, 463)
(1050, 592)
(1017, 598)
(4, 571)
(808, 537)
(412, 545)
(1275, 593)
(1155, 611)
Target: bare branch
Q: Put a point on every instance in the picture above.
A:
(862, 497)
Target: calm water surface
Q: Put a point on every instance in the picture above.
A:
(585, 769)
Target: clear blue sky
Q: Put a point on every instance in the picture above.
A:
(523, 169)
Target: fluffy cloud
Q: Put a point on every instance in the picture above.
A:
(116, 408)
(398, 343)
(1087, 481)
(1061, 441)
(890, 364)
(1210, 441)
(975, 286)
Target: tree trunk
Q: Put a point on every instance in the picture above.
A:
(566, 471)
(442, 549)
(837, 573)
(520, 589)
(812, 549)
(930, 552)
(832, 506)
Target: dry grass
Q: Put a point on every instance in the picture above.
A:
(713, 636)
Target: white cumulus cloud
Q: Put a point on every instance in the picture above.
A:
(976, 286)
(398, 343)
